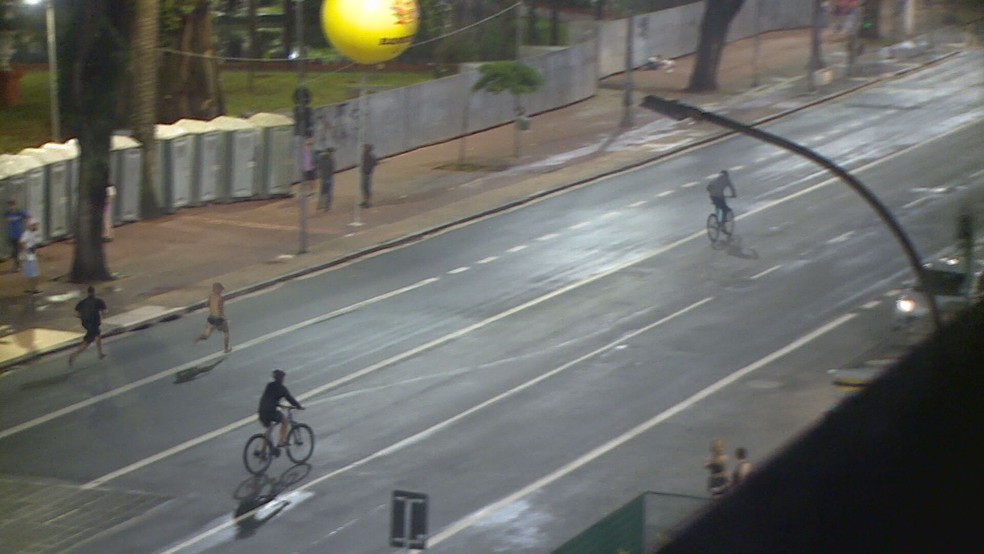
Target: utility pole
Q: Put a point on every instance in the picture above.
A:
(815, 61)
(302, 113)
(627, 93)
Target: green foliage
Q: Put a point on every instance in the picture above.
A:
(513, 77)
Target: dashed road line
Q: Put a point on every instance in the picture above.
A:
(637, 204)
(766, 272)
(548, 236)
(580, 225)
(690, 184)
(457, 270)
(841, 238)
(664, 193)
(517, 248)
(487, 260)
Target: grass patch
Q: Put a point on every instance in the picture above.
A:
(29, 125)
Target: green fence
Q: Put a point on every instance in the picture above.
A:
(639, 527)
(620, 532)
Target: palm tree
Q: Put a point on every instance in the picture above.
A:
(144, 114)
(514, 77)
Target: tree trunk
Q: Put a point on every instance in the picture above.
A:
(289, 31)
(192, 81)
(95, 59)
(254, 45)
(554, 23)
(713, 34)
(144, 118)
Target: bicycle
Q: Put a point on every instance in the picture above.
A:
(718, 224)
(260, 451)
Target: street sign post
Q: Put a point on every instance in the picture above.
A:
(408, 525)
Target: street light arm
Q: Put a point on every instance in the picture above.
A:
(680, 111)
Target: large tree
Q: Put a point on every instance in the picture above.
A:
(189, 68)
(713, 34)
(143, 115)
(93, 55)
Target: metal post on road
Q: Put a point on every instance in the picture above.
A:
(51, 31)
(627, 93)
(680, 111)
(302, 99)
(360, 147)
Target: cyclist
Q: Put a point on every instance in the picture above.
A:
(716, 189)
(270, 401)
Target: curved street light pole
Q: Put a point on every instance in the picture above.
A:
(679, 111)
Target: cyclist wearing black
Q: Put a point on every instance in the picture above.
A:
(716, 189)
(268, 412)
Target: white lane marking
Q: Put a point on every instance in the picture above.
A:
(457, 270)
(548, 236)
(664, 193)
(487, 260)
(870, 305)
(580, 225)
(515, 249)
(206, 359)
(737, 168)
(690, 184)
(609, 215)
(639, 203)
(915, 202)
(614, 443)
(893, 292)
(766, 272)
(458, 417)
(841, 238)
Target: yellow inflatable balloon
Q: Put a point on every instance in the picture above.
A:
(369, 31)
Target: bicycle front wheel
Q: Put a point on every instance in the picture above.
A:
(713, 229)
(300, 443)
(257, 455)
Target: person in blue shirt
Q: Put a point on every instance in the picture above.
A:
(16, 219)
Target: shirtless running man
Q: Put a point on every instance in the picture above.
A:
(216, 316)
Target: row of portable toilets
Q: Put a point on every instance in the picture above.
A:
(222, 160)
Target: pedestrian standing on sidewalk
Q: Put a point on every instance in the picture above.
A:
(216, 316)
(29, 241)
(90, 311)
(16, 219)
(717, 480)
(326, 169)
(369, 162)
(108, 213)
(742, 468)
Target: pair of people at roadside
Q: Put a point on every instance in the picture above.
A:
(719, 482)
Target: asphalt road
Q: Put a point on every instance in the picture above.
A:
(531, 371)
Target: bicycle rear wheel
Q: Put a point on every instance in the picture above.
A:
(300, 443)
(258, 454)
(713, 228)
(729, 223)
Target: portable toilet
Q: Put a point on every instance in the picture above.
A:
(239, 167)
(26, 183)
(174, 175)
(207, 153)
(275, 158)
(126, 173)
(56, 191)
(69, 151)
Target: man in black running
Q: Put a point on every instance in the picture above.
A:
(716, 189)
(268, 412)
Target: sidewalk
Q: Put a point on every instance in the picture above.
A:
(165, 267)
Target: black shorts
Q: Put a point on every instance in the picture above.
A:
(91, 331)
(216, 321)
(271, 419)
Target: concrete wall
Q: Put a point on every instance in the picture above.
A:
(675, 32)
(407, 118)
